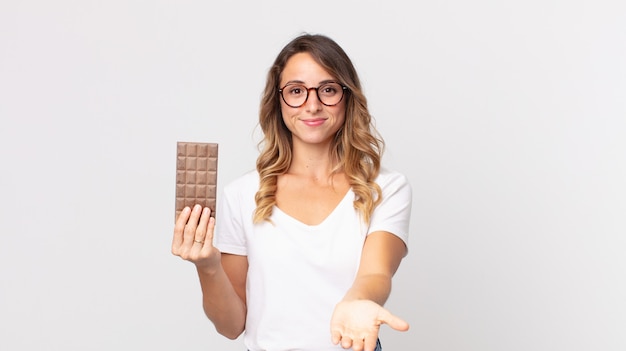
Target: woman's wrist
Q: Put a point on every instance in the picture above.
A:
(209, 269)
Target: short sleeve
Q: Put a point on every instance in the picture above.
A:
(233, 216)
(394, 212)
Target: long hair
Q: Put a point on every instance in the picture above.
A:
(357, 145)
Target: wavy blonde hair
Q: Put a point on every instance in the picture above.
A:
(357, 144)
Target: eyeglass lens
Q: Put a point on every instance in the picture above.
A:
(295, 95)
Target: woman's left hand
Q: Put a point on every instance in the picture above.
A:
(356, 324)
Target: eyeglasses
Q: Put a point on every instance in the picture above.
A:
(296, 95)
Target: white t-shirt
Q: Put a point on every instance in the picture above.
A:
(298, 273)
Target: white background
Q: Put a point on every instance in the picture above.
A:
(509, 118)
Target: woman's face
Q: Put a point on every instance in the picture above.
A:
(313, 122)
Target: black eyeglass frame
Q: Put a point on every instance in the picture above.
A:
(343, 92)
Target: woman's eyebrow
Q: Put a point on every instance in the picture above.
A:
(326, 81)
(295, 82)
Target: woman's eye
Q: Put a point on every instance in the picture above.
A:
(295, 91)
(328, 90)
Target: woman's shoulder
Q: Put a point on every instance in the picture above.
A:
(388, 176)
(244, 182)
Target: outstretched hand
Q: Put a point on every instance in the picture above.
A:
(356, 324)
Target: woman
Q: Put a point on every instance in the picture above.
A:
(306, 246)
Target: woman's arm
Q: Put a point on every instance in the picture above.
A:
(382, 253)
(224, 295)
(222, 276)
(357, 318)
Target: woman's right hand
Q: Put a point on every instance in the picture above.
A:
(193, 238)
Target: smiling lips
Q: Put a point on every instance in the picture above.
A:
(314, 122)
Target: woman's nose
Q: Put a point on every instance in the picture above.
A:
(313, 102)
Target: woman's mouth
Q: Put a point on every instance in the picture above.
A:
(314, 122)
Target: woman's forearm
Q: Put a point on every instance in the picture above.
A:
(222, 305)
(374, 287)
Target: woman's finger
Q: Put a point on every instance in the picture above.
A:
(370, 342)
(201, 230)
(190, 228)
(208, 238)
(335, 336)
(179, 228)
(357, 344)
(346, 342)
(394, 322)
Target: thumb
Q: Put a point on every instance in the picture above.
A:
(393, 321)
